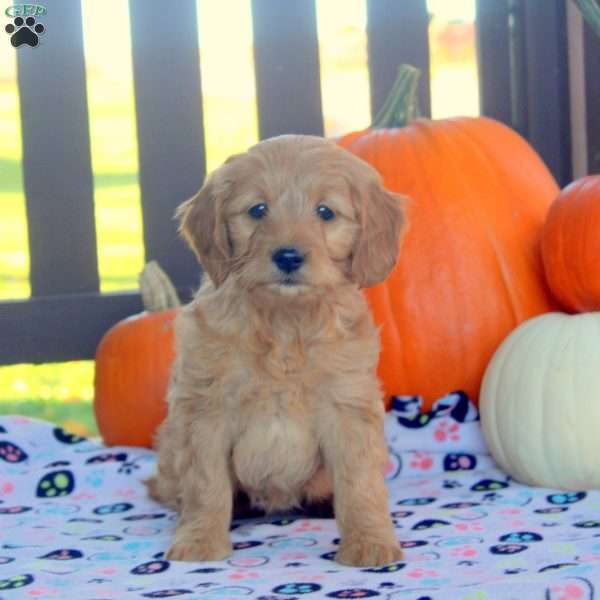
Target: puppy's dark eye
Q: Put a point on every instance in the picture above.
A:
(325, 213)
(258, 211)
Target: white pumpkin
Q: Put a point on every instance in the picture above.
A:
(540, 402)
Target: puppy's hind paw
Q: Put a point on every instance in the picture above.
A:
(152, 486)
(163, 491)
(193, 549)
(368, 553)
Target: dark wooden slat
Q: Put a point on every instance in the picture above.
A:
(56, 156)
(172, 164)
(62, 328)
(494, 60)
(518, 67)
(398, 32)
(548, 84)
(592, 98)
(286, 55)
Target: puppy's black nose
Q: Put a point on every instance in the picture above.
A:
(288, 260)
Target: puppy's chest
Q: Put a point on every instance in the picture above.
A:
(284, 373)
(286, 363)
(277, 385)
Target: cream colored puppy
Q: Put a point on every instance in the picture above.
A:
(274, 390)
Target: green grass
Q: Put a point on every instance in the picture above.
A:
(77, 417)
(61, 393)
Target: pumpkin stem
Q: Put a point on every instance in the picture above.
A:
(158, 293)
(591, 13)
(402, 105)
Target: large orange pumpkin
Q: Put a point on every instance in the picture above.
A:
(133, 365)
(470, 268)
(571, 245)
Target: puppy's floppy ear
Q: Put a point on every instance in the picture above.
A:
(382, 223)
(203, 227)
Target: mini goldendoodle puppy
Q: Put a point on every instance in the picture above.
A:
(274, 390)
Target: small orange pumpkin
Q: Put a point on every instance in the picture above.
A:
(470, 268)
(133, 365)
(571, 245)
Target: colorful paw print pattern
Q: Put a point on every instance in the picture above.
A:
(151, 568)
(67, 438)
(354, 593)
(56, 484)
(168, 593)
(15, 582)
(63, 554)
(292, 589)
(76, 522)
(11, 453)
(111, 509)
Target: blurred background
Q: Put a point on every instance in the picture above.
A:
(63, 392)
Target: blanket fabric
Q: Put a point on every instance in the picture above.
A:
(75, 522)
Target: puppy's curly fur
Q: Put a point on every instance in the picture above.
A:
(274, 390)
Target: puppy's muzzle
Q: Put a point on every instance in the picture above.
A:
(288, 260)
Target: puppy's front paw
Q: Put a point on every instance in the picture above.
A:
(368, 553)
(199, 548)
